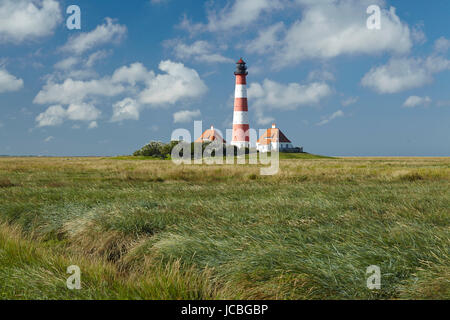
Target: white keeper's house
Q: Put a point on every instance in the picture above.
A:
(273, 139)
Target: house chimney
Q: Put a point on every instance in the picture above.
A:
(212, 128)
(273, 126)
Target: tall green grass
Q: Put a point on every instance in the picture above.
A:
(150, 229)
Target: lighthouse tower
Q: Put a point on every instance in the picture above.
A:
(240, 117)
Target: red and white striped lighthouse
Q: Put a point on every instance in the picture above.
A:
(240, 117)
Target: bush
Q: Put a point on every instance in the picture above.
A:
(164, 150)
(156, 149)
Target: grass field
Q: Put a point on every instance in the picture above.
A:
(153, 230)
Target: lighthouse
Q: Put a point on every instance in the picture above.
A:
(240, 116)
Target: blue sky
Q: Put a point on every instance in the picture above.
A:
(135, 72)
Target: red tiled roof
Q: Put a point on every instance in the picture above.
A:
(210, 135)
(273, 135)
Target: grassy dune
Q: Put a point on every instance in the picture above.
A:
(153, 230)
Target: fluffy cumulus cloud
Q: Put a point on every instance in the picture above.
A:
(126, 109)
(325, 29)
(397, 75)
(415, 101)
(82, 112)
(404, 73)
(331, 117)
(274, 95)
(53, 116)
(401, 74)
(8, 82)
(132, 74)
(138, 87)
(109, 32)
(71, 91)
(186, 116)
(330, 28)
(200, 51)
(22, 20)
(178, 82)
(56, 115)
(271, 95)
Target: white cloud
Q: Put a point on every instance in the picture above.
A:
(271, 95)
(75, 91)
(93, 125)
(200, 51)
(77, 68)
(350, 101)
(48, 139)
(418, 35)
(332, 28)
(415, 101)
(82, 112)
(67, 63)
(436, 64)
(106, 33)
(178, 82)
(132, 74)
(262, 118)
(335, 115)
(442, 44)
(327, 29)
(53, 116)
(140, 86)
(8, 82)
(22, 20)
(96, 56)
(56, 115)
(267, 39)
(240, 14)
(274, 95)
(185, 116)
(71, 68)
(401, 74)
(126, 109)
(397, 75)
